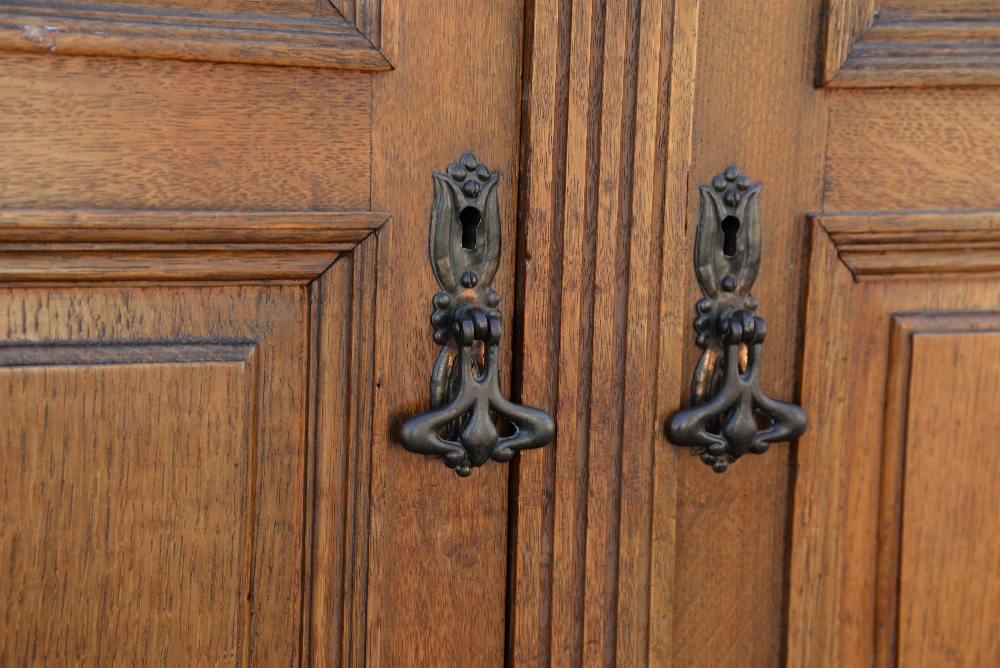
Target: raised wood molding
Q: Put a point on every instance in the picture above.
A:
(865, 48)
(96, 354)
(347, 323)
(890, 521)
(93, 246)
(375, 19)
(904, 244)
(606, 151)
(355, 43)
(308, 352)
(874, 280)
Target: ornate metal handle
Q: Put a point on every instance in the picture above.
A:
(726, 394)
(465, 382)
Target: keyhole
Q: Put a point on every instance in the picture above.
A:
(730, 226)
(469, 217)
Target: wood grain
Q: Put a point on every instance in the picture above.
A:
(344, 342)
(938, 8)
(910, 44)
(377, 20)
(841, 569)
(596, 119)
(761, 112)
(898, 244)
(93, 246)
(155, 134)
(887, 584)
(912, 150)
(123, 534)
(173, 486)
(436, 587)
(121, 370)
(293, 32)
(949, 583)
(845, 23)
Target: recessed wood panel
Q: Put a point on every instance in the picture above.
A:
(149, 456)
(168, 135)
(907, 150)
(949, 574)
(127, 494)
(853, 485)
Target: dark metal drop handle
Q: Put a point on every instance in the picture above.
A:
(726, 394)
(465, 383)
(477, 398)
(726, 427)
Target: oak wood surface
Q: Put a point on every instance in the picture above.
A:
(611, 546)
(898, 244)
(912, 163)
(844, 570)
(912, 150)
(94, 246)
(172, 485)
(160, 134)
(938, 8)
(436, 590)
(949, 587)
(872, 44)
(288, 32)
(901, 338)
(761, 112)
(173, 176)
(592, 251)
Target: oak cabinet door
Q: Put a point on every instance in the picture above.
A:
(874, 129)
(215, 302)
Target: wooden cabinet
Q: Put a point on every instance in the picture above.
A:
(213, 228)
(214, 318)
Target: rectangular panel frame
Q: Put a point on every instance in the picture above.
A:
(58, 27)
(334, 257)
(864, 48)
(872, 278)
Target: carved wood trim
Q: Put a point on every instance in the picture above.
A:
(904, 244)
(142, 247)
(864, 48)
(343, 351)
(606, 151)
(890, 524)
(116, 353)
(858, 314)
(376, 20)
(332, 41)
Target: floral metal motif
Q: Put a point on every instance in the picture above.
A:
(726, 394)
(465, 385)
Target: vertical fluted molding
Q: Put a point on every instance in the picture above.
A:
(606, 142)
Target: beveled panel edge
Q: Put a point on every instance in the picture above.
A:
(375, 19)
(39, 246)
(903, 327)
(175, 35)
(865, 49)
(347, 334)
(105, 353)
(885, 245)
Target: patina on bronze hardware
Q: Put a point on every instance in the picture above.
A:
(726, 395)
(465, 383)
